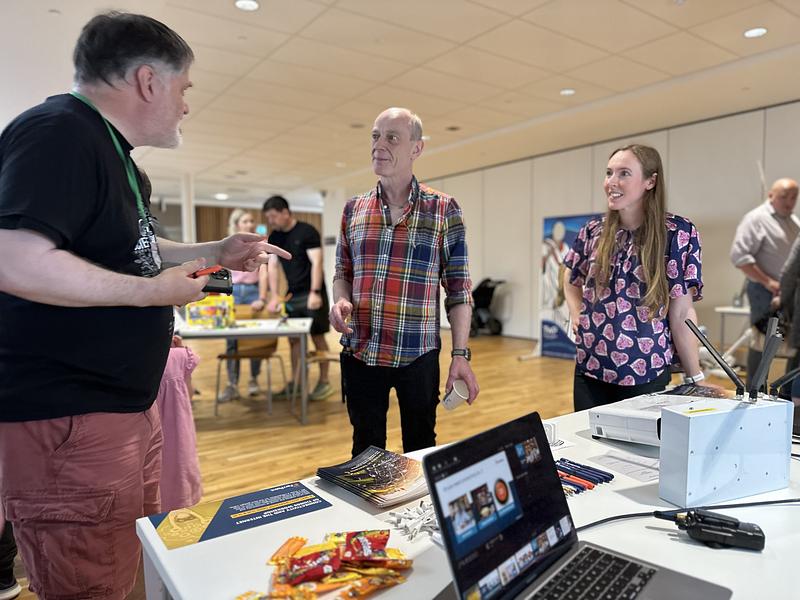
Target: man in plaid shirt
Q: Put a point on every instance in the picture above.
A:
(397, 243)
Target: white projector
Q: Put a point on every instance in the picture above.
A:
(636, 419)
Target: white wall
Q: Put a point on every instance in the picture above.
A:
(712, 179)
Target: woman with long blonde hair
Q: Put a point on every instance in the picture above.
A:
(249, 287)
(632, 277)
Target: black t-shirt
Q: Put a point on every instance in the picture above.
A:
(61, 176)
(297, 240)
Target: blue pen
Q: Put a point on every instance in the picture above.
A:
(605, 475)
(577, 488)
(586, 470)
(582, 473)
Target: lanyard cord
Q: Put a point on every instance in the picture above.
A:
(126, 160)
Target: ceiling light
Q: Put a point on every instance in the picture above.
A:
(452, 128)
(341, 165)
(246, 5)
(567, 92)
(425, 138)
(755, 32)
(221, 196)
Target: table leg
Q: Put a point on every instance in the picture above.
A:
(153, 586)
(303, 379)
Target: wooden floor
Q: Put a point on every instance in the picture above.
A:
(246, 449)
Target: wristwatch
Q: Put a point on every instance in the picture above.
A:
(316, 291)
(465, 352)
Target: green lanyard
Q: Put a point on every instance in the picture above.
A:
(126, 160)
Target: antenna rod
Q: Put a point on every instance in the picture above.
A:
(740, 387)
(760, 376)
(783, 380)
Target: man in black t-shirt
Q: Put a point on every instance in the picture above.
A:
(306, 283)
(86, 307)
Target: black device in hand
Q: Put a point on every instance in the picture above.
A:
(219, 280)
(716, 530)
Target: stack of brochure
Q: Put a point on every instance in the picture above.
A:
(381, 477)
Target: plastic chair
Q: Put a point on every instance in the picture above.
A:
(251, 349)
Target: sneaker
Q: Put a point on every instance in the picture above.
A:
(286, 392)
(322, 391)
(228, 394)
(9, 588)
(252, 388)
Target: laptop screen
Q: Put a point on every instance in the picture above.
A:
(501, 508)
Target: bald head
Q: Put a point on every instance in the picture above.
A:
(414, 122)
(783, 196)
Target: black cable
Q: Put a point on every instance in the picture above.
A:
(682, 510)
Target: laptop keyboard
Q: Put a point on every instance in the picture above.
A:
(596, 575)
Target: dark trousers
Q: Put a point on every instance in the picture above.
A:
(588, 392)
(8, 550)
(366, 390)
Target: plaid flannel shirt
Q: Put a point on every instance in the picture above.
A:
(395, 271)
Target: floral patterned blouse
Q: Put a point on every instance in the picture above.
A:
(618, 342)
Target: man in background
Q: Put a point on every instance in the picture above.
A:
(760, 248)
(306, 284)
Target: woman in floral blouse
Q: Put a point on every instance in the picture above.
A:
(630, 282)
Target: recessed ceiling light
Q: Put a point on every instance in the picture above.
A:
(341, 165)
(221, 196)
(425, 138)
(247, 5)
(567, 92)
(755, 32)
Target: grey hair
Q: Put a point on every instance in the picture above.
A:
(113, 43)
(414, 121)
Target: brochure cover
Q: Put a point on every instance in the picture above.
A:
(381, 477)
(185, 526)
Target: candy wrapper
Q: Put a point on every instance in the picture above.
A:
(363, 544)
(369, 585)
(312, 567)
(287, 549)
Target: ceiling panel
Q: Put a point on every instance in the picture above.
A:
(606, 24)
(688, 14)
(792, 6)
(233, 103)
(536, 46)
(512, 7)
(370, 36)
(522, 105)
(434, 18)
(783, 26)
(209, 81)
(222, 61)
(550, 88)
(424, 104)
(327, 57)
(310, 80)
(444, 85)
(289, 16)
(681, 53)
(277, 94)
(487, 68)
(618, 74)
(233, 36)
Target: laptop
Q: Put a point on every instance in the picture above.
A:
(508, 532)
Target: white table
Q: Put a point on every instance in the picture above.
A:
(224, 567)
(261, 328)
(729, 311)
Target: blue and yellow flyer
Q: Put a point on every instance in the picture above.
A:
(210, 520)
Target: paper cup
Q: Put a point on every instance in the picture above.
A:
(457, 396)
